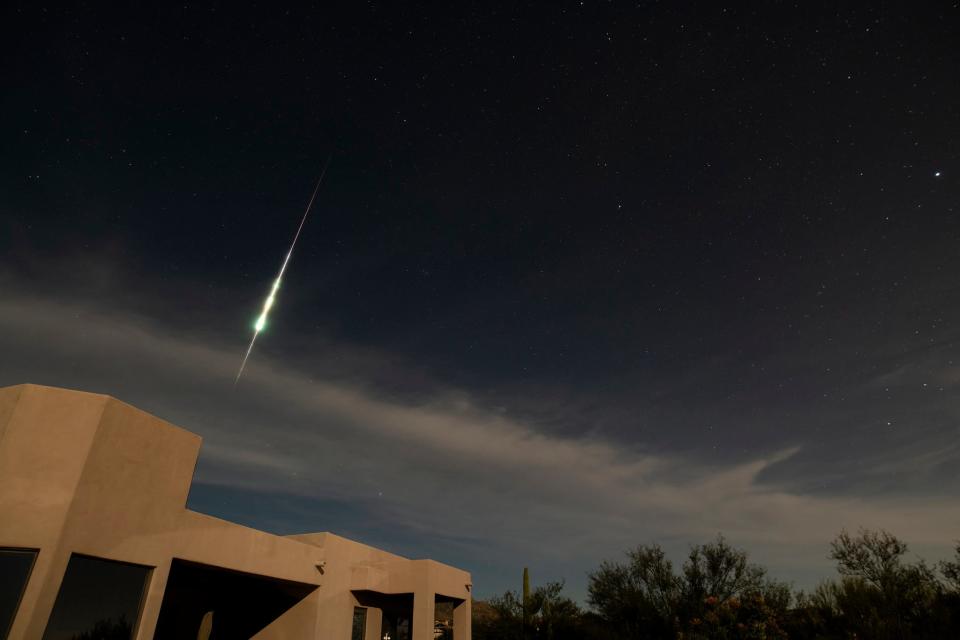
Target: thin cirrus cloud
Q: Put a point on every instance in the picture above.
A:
(443, 473)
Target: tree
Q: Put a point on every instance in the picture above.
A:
(548, 613)
(872, 556)
(719, 594)
(951, 571)
(485, 619)
(107, 629)
(717, 569)
(949, 599)
(559, 616)
(636, 599)
(499, 618)
(723, 595)
(881, 594)
(816, 614)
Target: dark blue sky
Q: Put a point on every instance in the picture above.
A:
(581, 276)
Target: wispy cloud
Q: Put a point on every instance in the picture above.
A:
(445, 465)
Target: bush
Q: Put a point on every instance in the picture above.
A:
(719, 594)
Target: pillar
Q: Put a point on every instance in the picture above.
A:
(423, 614)
(150, 612)
(374, 624)
(461, 621)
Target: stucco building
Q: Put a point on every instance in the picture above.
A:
(96, 539)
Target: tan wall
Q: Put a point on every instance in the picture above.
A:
(86, 473)
(42, 456)
(353, 566)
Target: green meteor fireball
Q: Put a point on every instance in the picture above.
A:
(261, 322)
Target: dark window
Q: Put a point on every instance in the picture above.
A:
(15, 566)
(359, 623)
(98, 600)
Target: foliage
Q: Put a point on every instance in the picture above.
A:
(725, 596)
(748, 617)
(108, 629)
(718, 594)
(637, 599)
(951, 571)
(720, 571)
(880, 595)
(549, 616)
(874, 556)
(558, 615)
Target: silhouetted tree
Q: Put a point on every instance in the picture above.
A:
(551, 616)
(949, 597)
(559, 616)
(951, 571)
(898, 594)
(636, 599)
(107, 629)
(879, 595)
(720, 594)
(724, 595)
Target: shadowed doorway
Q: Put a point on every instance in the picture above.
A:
(397, 609)
(242, 603)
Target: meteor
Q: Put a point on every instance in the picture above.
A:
(272, 296)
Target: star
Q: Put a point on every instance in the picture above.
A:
(936, 174)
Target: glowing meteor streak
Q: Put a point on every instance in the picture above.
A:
(272, 297)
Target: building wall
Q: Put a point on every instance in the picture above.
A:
(355, 567)
(85, 473)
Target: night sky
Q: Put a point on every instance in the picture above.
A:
(581, 275)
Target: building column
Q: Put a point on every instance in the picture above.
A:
(461, 621)
(153, 598)
(423, 614)
(374, 627)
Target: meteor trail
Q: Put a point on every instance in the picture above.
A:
(271, 298)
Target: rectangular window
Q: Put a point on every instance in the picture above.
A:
(97, 599)
(15, 567)
(359, 623)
